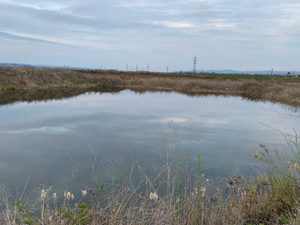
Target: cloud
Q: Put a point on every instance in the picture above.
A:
(230, 47)
(27, 37)
(176, 119)
(176, 25)
(43, 129)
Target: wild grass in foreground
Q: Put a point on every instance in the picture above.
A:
(174, 196)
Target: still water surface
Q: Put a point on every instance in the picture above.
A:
(54, 142)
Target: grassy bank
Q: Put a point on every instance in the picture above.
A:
(172, 196)
(274, 88)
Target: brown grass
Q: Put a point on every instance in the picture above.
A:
(269, 198)
(29, 76)
(274, 89)
(276, 203)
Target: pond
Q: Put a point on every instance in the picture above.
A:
(53, 143)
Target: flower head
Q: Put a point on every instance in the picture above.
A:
(290, 165)
(83, 193)
(43, 193)
(68, 195)
(153, 196)
(196, 191)
(296, 166)
(203, 191)
(54, 195)
(72, 196)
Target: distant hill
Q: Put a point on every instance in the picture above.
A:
(11, 64)
(227, 71)
(265, 72)
(40, 66)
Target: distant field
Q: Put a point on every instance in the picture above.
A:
(190, 74)
(247, 76)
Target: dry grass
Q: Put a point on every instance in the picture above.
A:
(285, 89)
(171, 195)
(29, 76)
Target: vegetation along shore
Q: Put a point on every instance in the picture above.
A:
(284, 89)
(172, 196)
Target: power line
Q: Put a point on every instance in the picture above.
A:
(195, 62)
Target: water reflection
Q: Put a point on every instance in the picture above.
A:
(50, 140)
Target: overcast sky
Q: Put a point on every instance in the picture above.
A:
(224, 34)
